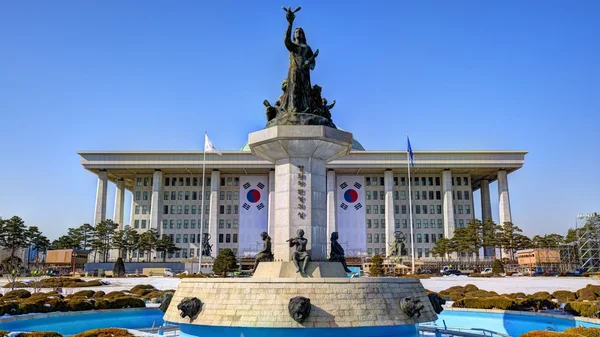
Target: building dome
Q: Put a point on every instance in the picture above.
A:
(356, 146)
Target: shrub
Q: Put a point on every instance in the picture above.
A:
(103, 304)
(376, 268)
(28, 307)
(542, 295)
(564, 295)
(8, 309)
(481, 293)
(535, 303)
(128, 302)
(38, 334)
(143, 286)
(586, 294)
(226, 262)
(18, 293)
(497, 267)
(152, 295)
(470, 287)
(99, 294)
(515, 295)
(539, 333)
(114, 294)
(587, 332)
(119, 268)
(111, 332)
(55, 304)
(499, 302)
(479, 275)
(584, 309)
(79, 305)
(83, 293)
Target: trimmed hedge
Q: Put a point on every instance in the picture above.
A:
(499, 302)
(564, 295)
(39, 334)
(587, 332)
(542, 295)
(585, 309)
(539, 333)
(111, 332)
(18, 293)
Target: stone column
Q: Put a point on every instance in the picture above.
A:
(271, 214)
(118, 215)
(132, 210)
(486, 205)
(503, 198)
(389, 210)
(100, 211)
(156, 201)
(331, 208)
(448, 205)
(213, 216)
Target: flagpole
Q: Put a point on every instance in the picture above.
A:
(410, 216)
(203, 196)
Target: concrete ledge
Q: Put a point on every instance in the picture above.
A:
(7, 319)
(528, 313)
(314, 270)
(303, 280)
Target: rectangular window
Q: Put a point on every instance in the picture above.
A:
(236, 182)
(228, 223)
(221, 238)
(228, 209)
(139, 181)
(468, 209)
(430, 181)
(193, 223)
(194, 181)
(395, 181)
(208, 181)
(221, 223)
(402, 195)
(376, 238)
(166, 195)
(418, 223)
(222, 181)
(459, 195)
(423, 179)
(466, 193)
(416, 182)
(227, 238)
(381, 182)
(193, 209)
(424, 195)
(461, 223)
(136, 224)
(369, 223)
(369, 238)
(173, 195)
(419, 240)
(144, 209)
(188, 181)
(186, 223)
(403, 209)
(368, 195)
(381, 195)
(180, 181)
(172, 209)
(375, 209)
(465, 181)
(236, 195)
(396, 209)
(375, 195)
(369, 251)
(229, 181)
(228, 195)
(404, 223)
(235, 224)
(167, 181)
(382, 223)
(424, 209)
(171, 224)
(437, 181)
(207, 196)
(382, 209)
(178, 223)
(235, 238)
(235, 209)
(431, 209)
(180, 195)
(460, 209)
(165, 224)
(374, 181)
(430, 195)
(439, 209)
(458, 181)
(396, 195)
(425, 223)
(375, 223)
(433, 239)
(418, 209)
(222, 195)
(187, 195)
(186, 209)
(417, 195)
(368, 181)
(396, 223)
(454, 206)
(222, 209)
(368, 211)
(179, 209)
(440, 223)
(438, 195)
(207, 209)
(143, 223)
(146, 181)
(185, 238)
(427, 241)
(138, 195)
(402, 181)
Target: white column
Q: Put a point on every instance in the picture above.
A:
(156, 201)
(118, 215)
(503, 198)
(271, 214)
(213, 222)
(131, 210)
(389, 210)
(486, 204)
(100, 211)
(331, 208)
(448, 205)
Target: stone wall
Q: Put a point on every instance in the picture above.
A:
(336, 302)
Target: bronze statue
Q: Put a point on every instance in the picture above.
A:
(398, 248)
(326, 108)
(265, 254)
(337, 252)
(272, 110)
(206, 246)
(300, 255)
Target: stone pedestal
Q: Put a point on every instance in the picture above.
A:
(300, 154)
(288, 270)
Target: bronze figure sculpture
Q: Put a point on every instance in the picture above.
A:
(265, 254)
(206, 246)
(337, 252)
(398, 248)
(300, 255)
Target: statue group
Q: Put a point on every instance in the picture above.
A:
(300, 102)
(398, 249)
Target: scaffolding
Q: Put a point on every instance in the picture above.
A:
(583, 253)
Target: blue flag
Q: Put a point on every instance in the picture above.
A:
(410, 153)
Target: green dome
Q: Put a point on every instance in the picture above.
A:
(356, 146)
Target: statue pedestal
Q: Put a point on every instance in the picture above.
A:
(288, 270)
(300, 153)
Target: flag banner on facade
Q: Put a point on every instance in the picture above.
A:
(209, 146)
(351, 214)
(254, 196)
(410, 152)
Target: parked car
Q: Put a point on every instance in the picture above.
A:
(451, 272)
(426, 271)
(486, 271)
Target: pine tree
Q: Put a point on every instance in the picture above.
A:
(38, 241)
(166, 246)
(148, 242)
(225, 262)
(119, 268)
(497, 267)
(442, 248)
(13, 236)
(376, 268)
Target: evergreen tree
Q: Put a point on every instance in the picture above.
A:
(86, 234)
(474, 237)
(507, 238)
(376, 268)
(119, 268)
(461, 241)
(442, 248)
(490, 234)
(64, 242)
(225, 262)
(131, 240)
(497, 267)
(38, 242)
(148, 242)
(103, 240)
(13, 236)
(166, 246)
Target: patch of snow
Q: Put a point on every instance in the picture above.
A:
(503, 285)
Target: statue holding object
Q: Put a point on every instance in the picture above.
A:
(300, 255)
(265, 254)
(206, 246)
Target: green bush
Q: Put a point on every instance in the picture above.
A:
(143, 286)
(119, 268)
(128, 302)
(586, 294)
(55, 304)
(585, 309)
(152, 295)
(564, 295)
(83, 293)
(99, 294)
(470, 287)
(39, 334)
(481, 293)
(535, 303)
(587, 332)
(542, 295)
(18, 293)
(499, 302)
(8, 309)
(515, 295)
(539, 333)
(110, 332)
(497, 267)
(79, 305)
(103, 304)
(28, 307)
(114, 294)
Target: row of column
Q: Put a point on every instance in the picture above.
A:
(447, 202)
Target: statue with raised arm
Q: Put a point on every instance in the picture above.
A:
(337, 252)
(265, 254)
(300, 255)
(398, 248)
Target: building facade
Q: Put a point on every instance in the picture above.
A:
(167, 190)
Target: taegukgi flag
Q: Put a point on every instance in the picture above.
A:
(253, 213)
(209, 146)
(351, 214)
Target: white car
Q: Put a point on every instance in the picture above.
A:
(486, 271)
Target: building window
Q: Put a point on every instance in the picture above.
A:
(229, 195)
(228, 209)
(236, 195)
(235, 209)
(402, 195)
(419, 240)
(396, 195)
(207, 209)
(382, 223)
(468, 209)
(235, 238)
(404, 223)
(395, 181)
(368, 195)
(440, 223)
(368, 223)
(144, 209)
(418, 223)
(458, 181)
(173, 195)
(375, 223)
(136, 224)
(426, 223)
(188, 181)
(165, 209)
(139, 181)
(427, 241)
(396, 223)
(438, 195)
(431, 209)
(417, 195)
(227, 238)
(222, 195)
(228, 223)
(459, 195)
(193, 209)
(402, 181)
(178, 223)
(195, 181)
(180, 181)
(138, 195)
(460, 209)
(376, 238)
(424, 195)
(439, 209)
(221, 223)
(222, 209)
(193, 223)
(430, 195)
(179, 209)
(416, 182)
(461, 223)
(418, 209)
(221, 238)
(146, 181)
(382, 209)
(381, 195)
(381, 183)
(186, 223)
(374, 181)
(185, 238)
(430, 181)
(186, 209)
(180, 195)
(171, 225)
(465, 181)
(369, 238)
(396, 209)
(368, 210)
(192, 240)
(235, 224)
(370, 251)
(165, 224)
(368, 181)
(236, 182)
(207, 196)
(375, 195)
(187, 195)
(466, 193)
(424, 209)
(172, 209)
(403, 209)
(166, 195)
(229, 181)
(375, 209)
(167, 181)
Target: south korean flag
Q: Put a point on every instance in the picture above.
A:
(351, 213)
(253, 212)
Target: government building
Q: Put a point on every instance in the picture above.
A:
(369, 189)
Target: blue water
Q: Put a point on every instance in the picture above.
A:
(511, 324)
(73, 324)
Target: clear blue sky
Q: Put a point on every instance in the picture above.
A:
(153, 75)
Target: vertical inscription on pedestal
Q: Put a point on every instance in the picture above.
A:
(301, 192)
